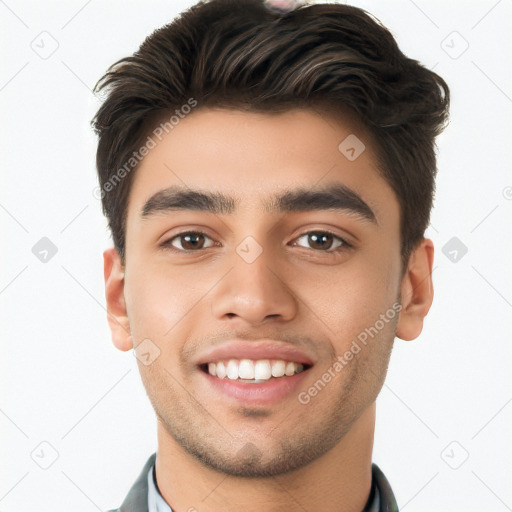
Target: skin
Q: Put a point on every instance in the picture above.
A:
(270, 457)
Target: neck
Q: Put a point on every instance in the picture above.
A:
(340, 480)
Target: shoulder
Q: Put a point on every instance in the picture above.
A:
(137, 498)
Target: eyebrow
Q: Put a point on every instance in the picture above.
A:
(335, 197)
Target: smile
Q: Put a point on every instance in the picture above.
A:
(253, 371)
(255, 382)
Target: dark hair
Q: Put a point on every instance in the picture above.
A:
(239, 54)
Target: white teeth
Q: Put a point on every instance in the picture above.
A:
(262, 370)
(248, 370)
(232, 369)
(290, 369)
(278, 369)
(220, 369)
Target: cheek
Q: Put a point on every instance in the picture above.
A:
(351, 298)
(157, 302)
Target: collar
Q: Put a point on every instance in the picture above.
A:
(156, 502)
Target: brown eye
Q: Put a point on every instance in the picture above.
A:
(190, 241)
(321, 240)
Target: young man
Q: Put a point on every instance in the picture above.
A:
(268, 178)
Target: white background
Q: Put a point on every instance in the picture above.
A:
(448, 394)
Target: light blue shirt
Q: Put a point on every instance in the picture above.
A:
(156, 502)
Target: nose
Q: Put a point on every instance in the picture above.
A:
(254, 293)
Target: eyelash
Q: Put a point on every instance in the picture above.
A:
(342, 247)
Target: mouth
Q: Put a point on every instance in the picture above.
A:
(258, 372)
(251, 371)
(255, 382)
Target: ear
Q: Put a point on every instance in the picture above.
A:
(114, 293)
(417, 291)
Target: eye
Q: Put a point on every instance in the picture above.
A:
(189, 241)
(322, 240)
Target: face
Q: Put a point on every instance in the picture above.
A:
(252, 238)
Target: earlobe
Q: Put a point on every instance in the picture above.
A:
(117, 316)
(417, 291)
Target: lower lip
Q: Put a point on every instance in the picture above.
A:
(264, 393)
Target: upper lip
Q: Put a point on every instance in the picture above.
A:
(260, 349)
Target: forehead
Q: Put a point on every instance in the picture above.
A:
(252, 158)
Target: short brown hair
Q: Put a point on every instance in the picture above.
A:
(238, 54)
